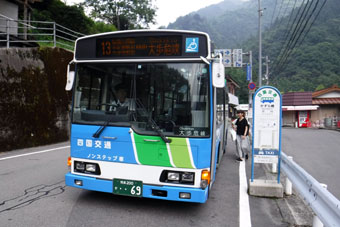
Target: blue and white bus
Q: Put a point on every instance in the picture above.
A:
(149, 114)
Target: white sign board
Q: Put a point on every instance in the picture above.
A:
(267, 125)
(226, 54)
(237, 57)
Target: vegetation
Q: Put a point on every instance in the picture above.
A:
(124, 14)
(72, 17)
(313, 63)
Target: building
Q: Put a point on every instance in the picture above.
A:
(328, 115)
(233, 99)
(312, 109)
(297, 109)
(9, 11)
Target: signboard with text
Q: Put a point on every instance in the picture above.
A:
(226, 54)
(267, 115)
(237, 57)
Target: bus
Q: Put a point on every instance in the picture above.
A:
(149, 114)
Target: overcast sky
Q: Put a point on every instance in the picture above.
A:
(169, 10)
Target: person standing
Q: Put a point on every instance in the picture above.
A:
(242, 131)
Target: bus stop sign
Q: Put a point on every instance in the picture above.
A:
(267, 115)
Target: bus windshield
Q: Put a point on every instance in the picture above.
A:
(172, 95)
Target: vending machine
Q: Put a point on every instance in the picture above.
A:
(303, 119)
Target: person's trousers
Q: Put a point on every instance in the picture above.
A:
(239, 151)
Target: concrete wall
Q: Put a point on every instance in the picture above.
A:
(10, 10)
(325, 111)
(288, 118)
(34, 105)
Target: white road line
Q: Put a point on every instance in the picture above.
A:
(33, 153)
(245, 220)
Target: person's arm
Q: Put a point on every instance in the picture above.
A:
(245, 132)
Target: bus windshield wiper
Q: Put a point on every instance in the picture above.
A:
(152, 123)
(101, 129)
(156, 128)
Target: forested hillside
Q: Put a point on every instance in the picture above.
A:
(312, 63)
(231, 22)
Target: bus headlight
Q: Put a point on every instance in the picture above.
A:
(80, 166)
(91, 167)
(173, 176)
(188, 177)
(85, 167)
(177, 177)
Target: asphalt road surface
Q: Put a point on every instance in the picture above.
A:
(33, 193)
(318, 152)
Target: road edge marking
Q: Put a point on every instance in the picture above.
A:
(244, 208)
(33, 153)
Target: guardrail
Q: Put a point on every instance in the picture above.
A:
(322, 202)
(14, 32)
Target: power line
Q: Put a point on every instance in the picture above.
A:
(295, 32)
(271, 22)
(298, 38)
(306, 33)
(288, 31)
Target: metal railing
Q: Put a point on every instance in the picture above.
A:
(14, 32)
(322, 202)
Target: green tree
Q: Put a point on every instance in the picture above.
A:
(319, 87)
(124, 14)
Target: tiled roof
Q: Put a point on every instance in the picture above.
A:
(324, 101)
(297, 99)
(326, 90)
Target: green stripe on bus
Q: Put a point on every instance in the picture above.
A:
(151, 152)
(180, 153)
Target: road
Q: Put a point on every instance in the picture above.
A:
(33, 193)
(317, 151)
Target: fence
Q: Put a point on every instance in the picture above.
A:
(323, 203)
(21, 32)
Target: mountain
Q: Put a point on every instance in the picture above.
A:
(231, 22)
(312, 64)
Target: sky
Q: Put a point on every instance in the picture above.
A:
(169, 10)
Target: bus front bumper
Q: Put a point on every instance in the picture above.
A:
(197, 195)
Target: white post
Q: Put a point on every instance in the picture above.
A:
(54, 35)
(7, 35)
(274, 167)
(316, 220)
(288, 186)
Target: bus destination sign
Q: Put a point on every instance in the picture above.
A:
(140, 46)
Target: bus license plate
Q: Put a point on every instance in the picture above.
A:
(128, 187)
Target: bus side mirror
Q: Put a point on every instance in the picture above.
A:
(69, 79)
(218, 74)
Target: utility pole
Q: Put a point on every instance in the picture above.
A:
(250, 98)
(267, 70)
(260, 45)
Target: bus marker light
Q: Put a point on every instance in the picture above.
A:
(185, 195)
(69, 161)
(205, 177)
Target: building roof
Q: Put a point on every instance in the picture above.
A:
(334, 88)
(326, 101)
(230, 79)
(297, 99)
